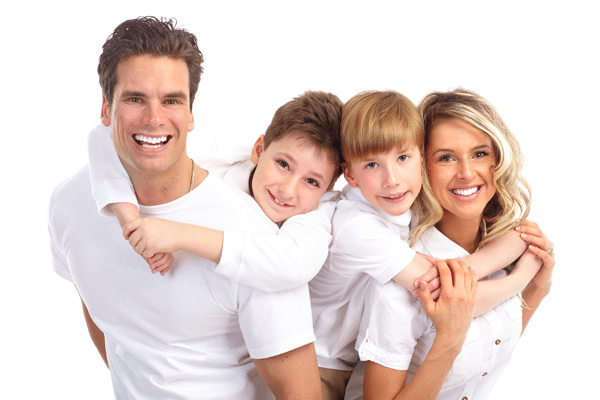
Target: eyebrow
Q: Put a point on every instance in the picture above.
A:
(172, 95)
(480, 147)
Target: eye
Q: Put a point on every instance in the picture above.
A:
(172, 101)
(371, 165)
(481, 154)
(313, 182)
(445, 158)
(134, 100)
(403, 158)
(283, 164)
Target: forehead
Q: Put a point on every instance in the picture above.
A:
(298, 146)
(455, 133)
(152, 73)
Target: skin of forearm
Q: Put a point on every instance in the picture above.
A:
(417, 267)
(533, 296)
(491, 293)
(204, 242)
(497, 254)
(428, 381)
(124, 212)
(96, 334)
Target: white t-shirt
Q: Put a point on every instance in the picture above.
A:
(264, 261)
(397, 333)
(362, 238)
(188, 334)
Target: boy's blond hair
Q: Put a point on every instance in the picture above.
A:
(379, 121)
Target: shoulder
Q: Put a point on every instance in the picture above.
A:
(73, 190)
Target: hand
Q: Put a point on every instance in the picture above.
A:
(161, 262)
(155, 240)
(453, 312)
(431, 277)
(542, 247)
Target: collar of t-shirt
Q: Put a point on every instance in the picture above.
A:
(354, 194)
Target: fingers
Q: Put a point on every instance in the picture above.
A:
(547, 259)
(131, 227)
(424, 295)
(161, 262)
(532, 234)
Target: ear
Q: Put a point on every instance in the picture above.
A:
(348, 175)
(191, 124)
(105, 112)
(257, 149)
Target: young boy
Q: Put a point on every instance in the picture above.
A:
(289, 170)
(382, 145)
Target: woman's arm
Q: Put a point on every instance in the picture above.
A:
(540, 285)
(451, 314)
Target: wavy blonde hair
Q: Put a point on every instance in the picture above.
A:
(512, 201)
(379, 121)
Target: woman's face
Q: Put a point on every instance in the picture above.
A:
(460, 162)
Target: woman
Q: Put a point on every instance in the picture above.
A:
(474, 169)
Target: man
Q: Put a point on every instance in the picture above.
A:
(191, 334)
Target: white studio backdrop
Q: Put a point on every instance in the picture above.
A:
(535, 61)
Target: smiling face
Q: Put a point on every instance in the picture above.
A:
(389, 181)
(291, 176)
(150, 116)
(460, 164)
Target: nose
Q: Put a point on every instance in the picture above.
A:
(465, 171)
(153, 114)
(391, 177)
(289, 187)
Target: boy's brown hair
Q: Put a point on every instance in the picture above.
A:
(314, 115)
(149, 35)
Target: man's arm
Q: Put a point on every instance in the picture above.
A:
(95, 333)
(292, 375)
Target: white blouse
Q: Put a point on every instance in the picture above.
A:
(397, 333)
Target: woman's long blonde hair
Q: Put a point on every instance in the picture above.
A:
(511, 203)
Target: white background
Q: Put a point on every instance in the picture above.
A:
(537, 62)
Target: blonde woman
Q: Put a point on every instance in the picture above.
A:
(474, 170)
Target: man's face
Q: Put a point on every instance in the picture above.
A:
(291, 176)
(150, 114)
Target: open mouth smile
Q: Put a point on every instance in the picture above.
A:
(277, 201)
(466, 192)
(150, 142)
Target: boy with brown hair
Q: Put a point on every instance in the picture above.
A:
(289, 171)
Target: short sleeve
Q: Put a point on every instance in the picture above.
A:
(391, 327)
(367, 244)
(275, 323)
(281, 261)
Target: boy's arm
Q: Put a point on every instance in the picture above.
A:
(109, 180)
(288, 259)
(149, 236)
(497, 254)
(292, 375)
(495, 291)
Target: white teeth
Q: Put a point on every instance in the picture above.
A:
(395, 197)
(151, 142)
(468, 192)
(279, 202)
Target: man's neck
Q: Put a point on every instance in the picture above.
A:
(167, 186)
